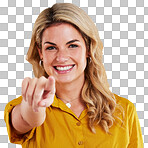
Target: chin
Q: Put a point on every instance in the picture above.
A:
(64, 81)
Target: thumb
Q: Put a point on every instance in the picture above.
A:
(46, 102)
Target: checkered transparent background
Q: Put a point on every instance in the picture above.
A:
(123, 28)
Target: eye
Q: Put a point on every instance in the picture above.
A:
(73, 46)
(50, 48)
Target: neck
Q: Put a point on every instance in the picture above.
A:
(69, 91)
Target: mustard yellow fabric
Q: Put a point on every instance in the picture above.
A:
(62, 129)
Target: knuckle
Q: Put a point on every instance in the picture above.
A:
(42, 77)
(35, 79)
(27, 79)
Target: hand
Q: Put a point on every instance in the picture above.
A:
(38, 92)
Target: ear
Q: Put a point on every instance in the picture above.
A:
(40, 52)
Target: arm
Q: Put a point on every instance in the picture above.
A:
(32, 110)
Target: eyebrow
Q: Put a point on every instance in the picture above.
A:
(72, 41)
(50, 43)
(69, 42)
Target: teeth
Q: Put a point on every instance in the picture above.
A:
(64, 68)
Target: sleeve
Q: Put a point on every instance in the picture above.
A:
(135, 134)
(13, 137)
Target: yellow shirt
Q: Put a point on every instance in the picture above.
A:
(62, 129)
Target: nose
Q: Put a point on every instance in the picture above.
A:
(62, 56)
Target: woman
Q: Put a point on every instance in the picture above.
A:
(68, 103)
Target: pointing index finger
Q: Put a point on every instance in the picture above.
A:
(50, 85)
(45, 93)
(49, 93)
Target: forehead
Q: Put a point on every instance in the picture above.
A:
(62, 30)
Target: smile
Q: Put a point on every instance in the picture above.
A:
(63, 68)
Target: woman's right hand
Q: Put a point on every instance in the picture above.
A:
(38, 92)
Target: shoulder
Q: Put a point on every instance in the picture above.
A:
(127, 106)
(125, 103)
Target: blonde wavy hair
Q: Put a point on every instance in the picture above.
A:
(95, 92)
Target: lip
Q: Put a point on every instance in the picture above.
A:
(63, 71)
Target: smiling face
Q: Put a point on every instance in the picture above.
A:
(63, 53)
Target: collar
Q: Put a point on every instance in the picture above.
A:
(57, 103)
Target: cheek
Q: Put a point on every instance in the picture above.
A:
(47, 67)
(47, 61)
(80, 53)
(81, 59)
(82, 56)
(47, 58)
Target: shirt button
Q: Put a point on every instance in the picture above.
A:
(78, 123)
(80, 142)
